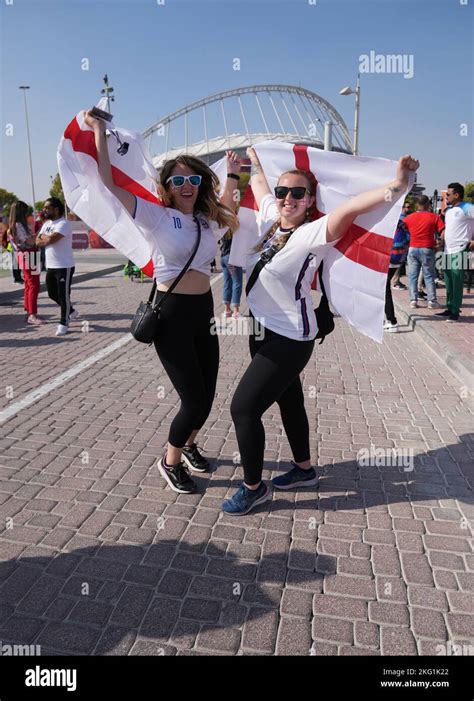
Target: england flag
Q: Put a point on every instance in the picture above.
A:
(355, 269)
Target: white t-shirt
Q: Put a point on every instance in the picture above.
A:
(59, 254)
(459, 231)
(281, 297)
(172, 237)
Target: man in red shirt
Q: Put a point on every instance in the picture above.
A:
(422, 226)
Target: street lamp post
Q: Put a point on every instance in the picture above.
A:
(25, 88)
(348, 91)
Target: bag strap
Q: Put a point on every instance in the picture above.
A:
(258, 267)
(262, 263)
(190, 260)
(254, 275)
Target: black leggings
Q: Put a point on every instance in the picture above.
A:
(389, 309)
(272, 376)
(189, 353)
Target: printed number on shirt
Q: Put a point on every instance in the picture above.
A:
(177, 222)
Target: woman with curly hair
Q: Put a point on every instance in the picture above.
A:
(187, 348)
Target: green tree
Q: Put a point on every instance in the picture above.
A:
(469, 191)
(6, 200)
(57, 188)
(39, 205)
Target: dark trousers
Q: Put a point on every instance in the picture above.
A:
(188, 348)
(16, 272)
(389, 310)
(272, 376)
(58, 284)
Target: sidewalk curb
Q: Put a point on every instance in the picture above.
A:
(82, 277)
(461, 367)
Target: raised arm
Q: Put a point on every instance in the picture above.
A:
(105, 169)
(258, 181)
(340, 220)
(230, 194)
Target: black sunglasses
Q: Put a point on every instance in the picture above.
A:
(297, 193)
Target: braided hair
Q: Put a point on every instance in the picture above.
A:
(282, 240)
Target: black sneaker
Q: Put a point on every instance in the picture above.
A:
(194, 460)
(177, 477)
(445, 313)
(421, 294)
(453, 317)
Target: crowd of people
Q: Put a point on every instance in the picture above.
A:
(45, 246)
(432, 249)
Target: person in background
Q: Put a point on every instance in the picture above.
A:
(56, 236)
(458, 241)
(398, 257)
(401, 270)
(232, 279)
(422, 226)
(39, 221)
(23, 240)
(9, 245)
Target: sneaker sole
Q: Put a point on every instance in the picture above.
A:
(164, 474)
(261, 500)
(192, 467)
(305, 483)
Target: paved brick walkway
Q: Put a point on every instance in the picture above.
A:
(460, 335)
(97, 557)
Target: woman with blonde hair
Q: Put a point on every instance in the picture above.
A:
(187, 348)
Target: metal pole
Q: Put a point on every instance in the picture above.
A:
(328, 136)
(277, 115)
(356, 117)
(225, 124)
(167, 141)
(185, 132)
(205, 130)
(261, 113)
(25, 88)
(289, 115)
(245, 121)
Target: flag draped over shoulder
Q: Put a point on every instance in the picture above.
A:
(355, 269)
(88, 197)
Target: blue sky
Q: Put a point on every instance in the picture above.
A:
(160, 57)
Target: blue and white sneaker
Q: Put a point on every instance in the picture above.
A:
(244, 500)
(296, 477)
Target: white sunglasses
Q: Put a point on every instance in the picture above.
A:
(179, 180)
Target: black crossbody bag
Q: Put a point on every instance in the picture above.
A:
(146, 324)
(324, 315)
